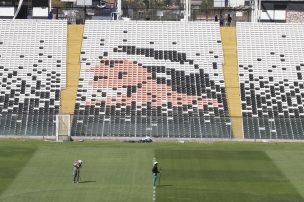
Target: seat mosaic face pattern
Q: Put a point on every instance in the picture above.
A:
(271, 63)
(32, 73)
(162, 79)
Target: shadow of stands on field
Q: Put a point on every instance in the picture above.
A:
(88, 181)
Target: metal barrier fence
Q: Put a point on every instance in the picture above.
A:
(160, 127)
(182, 126)
(78, 15)
(179, 126)
(27, 125)
(273, 128)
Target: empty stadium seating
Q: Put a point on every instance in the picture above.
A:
(271, 62)
(32, 72)
(162, 79)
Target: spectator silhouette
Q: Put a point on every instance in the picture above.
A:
(222, 20)
(229, 19)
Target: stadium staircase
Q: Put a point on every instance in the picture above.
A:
(68, 95)
(230, 70)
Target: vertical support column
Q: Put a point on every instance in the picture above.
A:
(187, 11)
(119, 10)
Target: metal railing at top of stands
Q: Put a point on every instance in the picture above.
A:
(78, 15)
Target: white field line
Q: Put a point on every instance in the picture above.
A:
(154, 188)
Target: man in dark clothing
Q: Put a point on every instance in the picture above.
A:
(155, 172)
(76, 170)
(229, 19)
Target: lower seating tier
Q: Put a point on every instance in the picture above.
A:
(180, 126)
(28, 125)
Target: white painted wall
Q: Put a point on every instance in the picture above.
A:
(219, 3)
(236, 3)
(231, 3)
(273, 15)
(7, 11)
(84, 2)
(40, 12)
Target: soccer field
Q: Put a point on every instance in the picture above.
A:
(114, 171)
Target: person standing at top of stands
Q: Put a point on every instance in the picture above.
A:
(222, 20)
(76, 170)
(155, 172)
(229, 19)
(216, 18)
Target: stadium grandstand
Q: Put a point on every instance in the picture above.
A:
(164, 79)
(151, 101)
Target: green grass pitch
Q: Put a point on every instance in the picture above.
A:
(36, 171)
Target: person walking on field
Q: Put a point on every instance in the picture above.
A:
(155, 172)
(76, 170)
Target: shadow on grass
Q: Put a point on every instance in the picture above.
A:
(88, 181)
(165, 185)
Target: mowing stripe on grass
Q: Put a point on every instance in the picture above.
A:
(115, 172)
(197, 175)
(108, 174)
(290, 163)
(13, 158)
